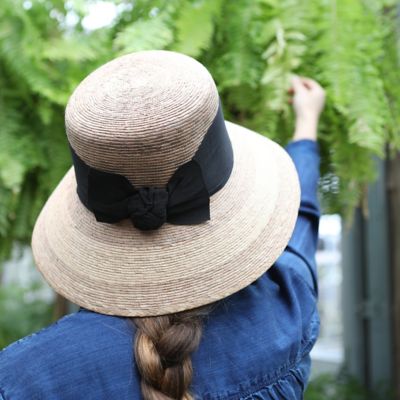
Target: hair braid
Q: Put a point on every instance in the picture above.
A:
(163, 348)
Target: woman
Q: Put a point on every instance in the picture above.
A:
(188, 242)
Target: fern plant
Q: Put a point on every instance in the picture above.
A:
(251, 47)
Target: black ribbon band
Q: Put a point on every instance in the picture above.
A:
(184, 201)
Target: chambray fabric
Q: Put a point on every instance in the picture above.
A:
(255, 345)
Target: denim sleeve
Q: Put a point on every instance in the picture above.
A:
(304, 241)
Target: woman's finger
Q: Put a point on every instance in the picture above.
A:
(297, 83)
(311, 83)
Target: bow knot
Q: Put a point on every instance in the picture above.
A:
(147, 207)
(185, 199)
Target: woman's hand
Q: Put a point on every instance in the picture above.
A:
(308, 103)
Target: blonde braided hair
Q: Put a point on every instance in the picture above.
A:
(163, 348)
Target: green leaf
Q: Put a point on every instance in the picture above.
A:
(71, 48)
(12, 173)
(195, 26)
(144, 35)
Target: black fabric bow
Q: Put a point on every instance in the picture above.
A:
(184, 201)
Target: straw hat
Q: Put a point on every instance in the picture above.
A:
(141, 117)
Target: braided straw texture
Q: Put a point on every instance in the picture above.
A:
(142, 115)
(118, 270)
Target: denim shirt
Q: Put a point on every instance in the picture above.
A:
(255, 343)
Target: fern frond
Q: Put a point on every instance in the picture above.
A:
(149, 34)
(195, 26)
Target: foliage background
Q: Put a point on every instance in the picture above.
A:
(251, 48)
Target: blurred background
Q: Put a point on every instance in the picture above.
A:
(251, 47)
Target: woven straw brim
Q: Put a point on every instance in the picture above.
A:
(119, 270)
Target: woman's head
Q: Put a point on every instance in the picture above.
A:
(150, 145)
(218, 221)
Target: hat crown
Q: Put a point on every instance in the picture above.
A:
(142, 115)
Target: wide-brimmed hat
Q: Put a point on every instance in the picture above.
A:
(167, 206)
